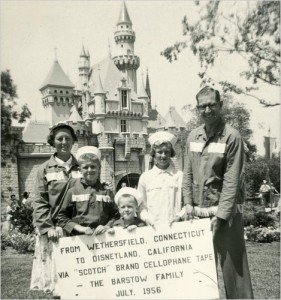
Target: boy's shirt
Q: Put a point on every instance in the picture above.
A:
(120, 223)
(87, 206)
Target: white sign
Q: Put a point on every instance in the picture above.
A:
(166, 263)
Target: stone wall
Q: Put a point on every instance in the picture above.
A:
(9, 184)
(27, 169)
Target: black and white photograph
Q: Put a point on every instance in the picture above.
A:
(140, 149)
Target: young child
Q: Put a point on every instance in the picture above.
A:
(128, 200)
(87, 207)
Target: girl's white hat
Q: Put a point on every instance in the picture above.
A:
(162, 137)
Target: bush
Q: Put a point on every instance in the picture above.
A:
(21, 242)
(262, 234)
(21, 218)
(256, 216)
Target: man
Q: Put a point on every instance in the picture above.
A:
(265, 191)
(213, 186)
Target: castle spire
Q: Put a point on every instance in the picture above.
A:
(147, 89)
(124, 17)
(99, 88)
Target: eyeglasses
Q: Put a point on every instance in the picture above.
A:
(210, 105)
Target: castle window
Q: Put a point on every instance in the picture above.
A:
(123, 126)
(67, 92)
(121, 45)
(55, 91)
(61, 92)
(121, 26)
(124, 99)
(127, 26)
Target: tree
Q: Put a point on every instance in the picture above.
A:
(254, 36)
(9, 112)
(261, 169)
(235, 114)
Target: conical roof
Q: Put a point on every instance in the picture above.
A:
(74, 116)
(124, 15)
(57, 77)
(147, 86)
(173, 119)
(110, 77)
(142, 93)
(98, 89)
(83, 52)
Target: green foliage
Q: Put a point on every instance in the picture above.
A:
(258, 170)
(235, 114)
(21, 218)
(262, 234)
(9, 137)
(21, 242)
(225, 28)
(256, 216)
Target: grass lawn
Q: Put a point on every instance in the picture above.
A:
(264, 260)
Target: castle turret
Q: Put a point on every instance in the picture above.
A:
(57, 94)
(84, 68)
(125, 59)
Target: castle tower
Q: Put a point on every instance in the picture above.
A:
(84, 68)
(125, 59)
(57, 94)
(142, 95)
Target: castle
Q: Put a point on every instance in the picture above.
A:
(108, 109)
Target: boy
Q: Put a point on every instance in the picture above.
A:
(128, 200)
(87, 207)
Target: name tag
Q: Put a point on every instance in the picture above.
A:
(216, 148)
(76, 174)
(103, 198)
(55, 176)
(80, 198)
(196, 147)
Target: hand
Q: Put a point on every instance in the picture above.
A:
(59, 231)
(52, 235)
(88, 231)
(148, 222)
(101, 229)
(131, 227)
(216, 225)
(189, 212)
(111, 231)
(176, 219)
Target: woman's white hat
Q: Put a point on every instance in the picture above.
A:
(162, 137)
(88, 149)
(128, 191)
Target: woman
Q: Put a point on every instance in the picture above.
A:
(161, 187)
(50, 186)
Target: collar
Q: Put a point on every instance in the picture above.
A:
(220, 130)
(66, 164)
(158, 171)
(53, 161)
(96, 186)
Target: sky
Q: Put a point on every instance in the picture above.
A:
(31, 30)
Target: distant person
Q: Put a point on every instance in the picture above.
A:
(25, 196)
(265, 192)
(123, 184)
(128, 200)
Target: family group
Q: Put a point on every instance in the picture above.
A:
(70, 199)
